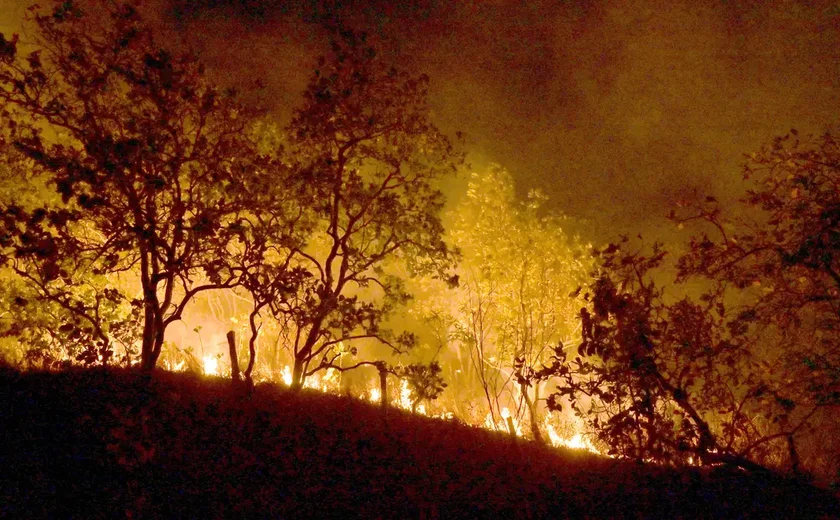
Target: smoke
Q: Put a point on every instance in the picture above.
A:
(615, 109)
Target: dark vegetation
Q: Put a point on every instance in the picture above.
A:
(152, 173)
(747, 372)
(108, 443)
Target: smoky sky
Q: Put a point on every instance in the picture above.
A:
(615, 109)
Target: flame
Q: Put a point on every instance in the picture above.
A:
(504, 423)
(312, 382)
(286, 375)
(576, 442)
(330, 382)
(553, 437)
(211, 366)
(180, 366)
(405, 395)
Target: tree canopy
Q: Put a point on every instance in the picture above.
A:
(746, 373)
(167, 187)
(146, 154)
(369, 162)
(130, 184)
(512, 305)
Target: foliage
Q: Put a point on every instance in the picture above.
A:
(165, 187)
(147, 157)
(744, 373)
(424, 381)
(50, 336)
(83, 323)
(512, 305)
(783, 257)
(658, 380)
(370, 160)
(778, 260)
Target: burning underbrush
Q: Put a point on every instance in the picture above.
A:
(108, 443)
(560, 430)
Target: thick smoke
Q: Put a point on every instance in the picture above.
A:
(614, 109)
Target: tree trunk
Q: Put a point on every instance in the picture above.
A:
(794, 456)
(297, 375)
(383, 387)
(532, 415)
(234, 360)
(152, 332)
(147, 360)
(252, 346)
(158, 344)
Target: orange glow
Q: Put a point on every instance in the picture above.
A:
(211, 366)
(576, 441)
(504, 423)
(286, 375)
(172, 366)
(330, 382)
(405, 396)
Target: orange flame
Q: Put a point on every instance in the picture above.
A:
(211, 366)
(330, 382)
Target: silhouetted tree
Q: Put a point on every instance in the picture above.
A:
(655, 380)
(370, 160)
(147, 156)
(782, 255)
(425, 382)
(745, 373)
(779, 259)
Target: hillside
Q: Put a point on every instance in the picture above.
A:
(109, 444)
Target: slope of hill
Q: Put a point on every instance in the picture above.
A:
(108, 444)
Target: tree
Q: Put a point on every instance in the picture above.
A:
(369, 161)
(780, 258)
(517, 271)
(658, 380)
(147, 156)
(744, 374)
(41, 332)
(784, 257)
(424, 381)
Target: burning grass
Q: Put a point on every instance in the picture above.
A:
(104, 444)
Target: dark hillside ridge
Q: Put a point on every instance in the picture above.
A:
(113, 443)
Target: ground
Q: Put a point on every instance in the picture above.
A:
(116, 443)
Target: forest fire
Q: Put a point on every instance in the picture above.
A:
(577, 442)
(351, 248)
(331, 383)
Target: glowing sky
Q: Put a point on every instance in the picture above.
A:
(614, 108)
